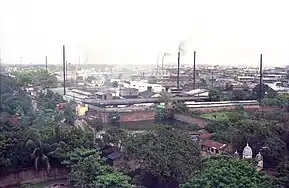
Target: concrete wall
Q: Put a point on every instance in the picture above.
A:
(32, 176)
(131, 116)
(137, 116)
(150, 115)
(192, 119)
(81, 109)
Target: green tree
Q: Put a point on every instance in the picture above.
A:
(44, 79)
(166, 98)
(36, 77)
(86, 171)
(115, 136)
(282, 176)
(228, 172)
(265, 90)
(13, 153)
(214, 95)
(42, 152)
(180, 107)
(75, 137)
(49, 100)
(69, 113)
(265, 136)
(78, 154)
(162, 114)
(13, 99)
(239, 95)
(167, 154)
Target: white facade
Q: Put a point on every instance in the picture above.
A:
(246, 78)
(277, 86)
(143, 86)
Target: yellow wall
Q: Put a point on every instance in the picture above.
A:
(81, 110)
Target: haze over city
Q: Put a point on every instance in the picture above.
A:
(135, 32)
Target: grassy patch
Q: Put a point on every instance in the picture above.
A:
(216, 116)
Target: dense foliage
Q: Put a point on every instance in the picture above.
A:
(215, 95)
(36, 77)
(229, 173)
(13, 99)
(90, 171)
(162, 114)
(281, 100)
(166, 154)
(180, 107)
(265, 131)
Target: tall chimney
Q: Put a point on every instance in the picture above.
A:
(64, 78)
(46, 64)
(261, 77)
(66, 70)
(194, 69)
(178, 81)
(212, 73)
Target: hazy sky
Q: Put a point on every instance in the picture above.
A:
(135, 31)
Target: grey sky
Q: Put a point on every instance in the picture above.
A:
(134, 31)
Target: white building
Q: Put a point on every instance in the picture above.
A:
(246, 79)
(144, 86)
(277, 86)
(198, 92)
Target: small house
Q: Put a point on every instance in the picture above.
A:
(113, 159)
(214, 147)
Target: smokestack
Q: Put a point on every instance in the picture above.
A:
(158, 65)
(66, 69)
(64, 78)
(194, 69)
(178, 81)
(79, 62)
(212, 79)
(46, 64)
(261, 76)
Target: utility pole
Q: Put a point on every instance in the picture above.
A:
(158, 65)
(178, 81)
(64, 78)
(0, 60)
(165, 54)
(261, 76)
(212, 73)
(46, 64)
(194, 69)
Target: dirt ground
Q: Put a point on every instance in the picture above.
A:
(59, 184)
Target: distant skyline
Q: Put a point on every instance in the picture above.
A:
(222, 32)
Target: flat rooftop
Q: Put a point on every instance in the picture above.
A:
(137, 101)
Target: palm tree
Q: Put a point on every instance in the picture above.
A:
(41, 152)
(165, 97)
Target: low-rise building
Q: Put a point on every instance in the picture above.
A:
(142, 86)
(213, 147)
(129, 93)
